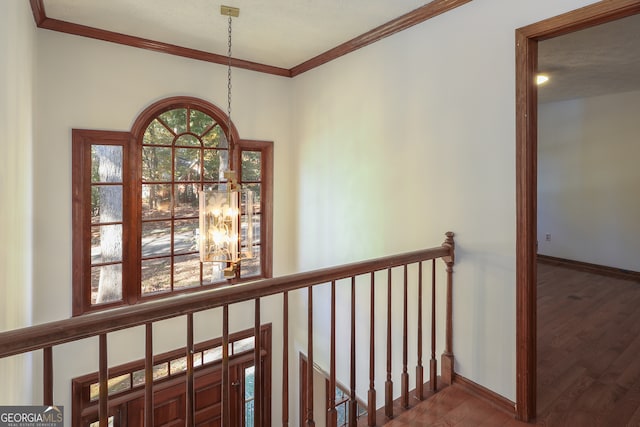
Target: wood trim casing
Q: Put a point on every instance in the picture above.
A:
(266, 228)
(417, 16)
(37, 8)
(526, 211)
(526, 179)
(82, 139)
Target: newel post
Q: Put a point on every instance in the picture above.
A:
(447, 356)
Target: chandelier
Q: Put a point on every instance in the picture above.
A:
(226, 213)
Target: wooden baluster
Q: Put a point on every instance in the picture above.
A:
(447, 356)
(189, 397)
(419, 368)
(148, 375)
(285, 360)
(103, 375)
(226, 401)
(433, 366)
(404, 378)
(310, 421)
(257, 360)
(388, 385)
(353, 403)
(47, 376)
(332, 414)
(371, 409)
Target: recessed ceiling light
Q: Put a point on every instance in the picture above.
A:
(541, 79)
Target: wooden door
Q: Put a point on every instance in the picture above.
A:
(170, 405)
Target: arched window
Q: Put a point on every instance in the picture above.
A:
(136, 203)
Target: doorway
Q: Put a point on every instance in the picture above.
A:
(126, 383)
(527, 39)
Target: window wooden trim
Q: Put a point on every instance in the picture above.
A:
(266, 226)
(82, 140)
(81, 215)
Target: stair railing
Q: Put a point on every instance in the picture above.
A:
(46, 336)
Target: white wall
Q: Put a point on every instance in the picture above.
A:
(413, 136)
(83, 83)
(588, 179)
(17, 50)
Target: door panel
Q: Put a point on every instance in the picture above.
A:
(169, 403)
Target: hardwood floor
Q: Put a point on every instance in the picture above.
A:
(588, 349)
(454, 406)
(588, 359)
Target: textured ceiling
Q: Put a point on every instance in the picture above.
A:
(282, 33)
(591, 62)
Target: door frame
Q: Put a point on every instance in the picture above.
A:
(527, 39)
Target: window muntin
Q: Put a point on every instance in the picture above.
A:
(177, 147)
(183, 151)
(106, 223)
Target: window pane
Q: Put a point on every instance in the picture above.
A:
(215, 163)
(184, 236)
(97, 423)
(199, 122)
(118, 384)
(248, 382)
(186, 271)
(215, 138)
(156, 238)
(157, 134)
(188, 140)
(106, 283)
(212, 355)
(156, 164)
(106, 244)
(186, 200)
(251, 165)
(138, 378)
(176, 120)
(187, 164)
(248, 413)
(160, 371)
(106, 163)
(178, 365)
(106, 203)
(197, 359)
(156, 201)
(243, 345)
(257, 194)
(156, 275)
(251, 267)
(342, 414)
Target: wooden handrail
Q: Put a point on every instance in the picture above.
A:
(36, 337)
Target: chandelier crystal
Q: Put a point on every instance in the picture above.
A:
(226, 214)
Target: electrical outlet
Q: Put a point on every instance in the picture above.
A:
(547, 237)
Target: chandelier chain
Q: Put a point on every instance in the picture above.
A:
(229, 90)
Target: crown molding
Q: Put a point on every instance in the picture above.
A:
(417, 16)
(421, 14)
